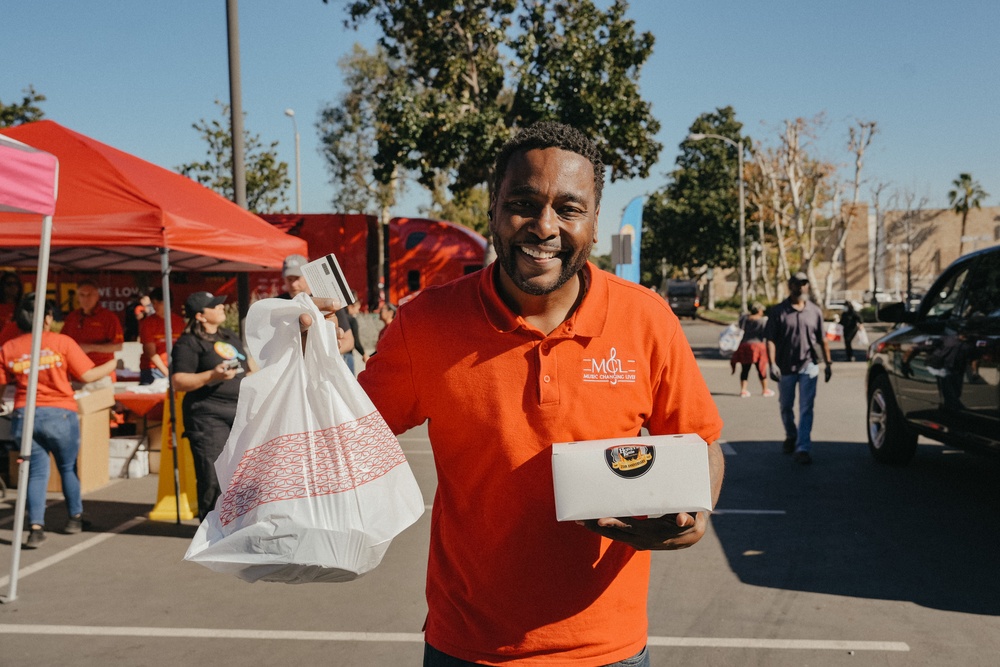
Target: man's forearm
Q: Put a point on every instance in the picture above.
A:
(716, 469)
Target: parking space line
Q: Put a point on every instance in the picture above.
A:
(417, 637)
(73, 550)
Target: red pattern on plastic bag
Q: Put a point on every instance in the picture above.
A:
(306, 465)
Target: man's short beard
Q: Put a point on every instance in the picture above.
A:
(571, 266)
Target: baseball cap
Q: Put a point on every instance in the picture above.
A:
(199, 301)
(800, 277)
(293, 265)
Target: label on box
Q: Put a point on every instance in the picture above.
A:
(624, 477)
(327, 281)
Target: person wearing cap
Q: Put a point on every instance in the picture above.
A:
(95, 328)
(794, 330)
(208, 365)
(153, 336)
(295, 283)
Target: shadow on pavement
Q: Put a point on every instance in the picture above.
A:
(926, 533)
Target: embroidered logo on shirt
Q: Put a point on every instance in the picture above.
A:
(610, 370)
(630, 461)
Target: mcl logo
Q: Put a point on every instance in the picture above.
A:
(610, 370)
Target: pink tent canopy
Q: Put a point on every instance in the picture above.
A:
(27, 178)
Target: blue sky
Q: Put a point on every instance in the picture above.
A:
(137, 75)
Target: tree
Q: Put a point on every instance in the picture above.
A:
(468, 207)
(267, 177)
(348, 133)
(966, 194)
(693, 221)
(466, 79)
(24, 112)
(790, 186)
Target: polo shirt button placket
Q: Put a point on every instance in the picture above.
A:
(548, 389)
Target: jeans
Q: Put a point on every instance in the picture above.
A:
(349, 359)
(807, 396)
(57, 431)
(435, 658)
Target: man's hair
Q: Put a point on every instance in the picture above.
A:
(86, 282)
(550, 134)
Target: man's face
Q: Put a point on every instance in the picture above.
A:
(87, 296)
(295, 285)
(544, 218)
(798, 290)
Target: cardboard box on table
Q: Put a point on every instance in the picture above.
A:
(626, 477)
(93, 407)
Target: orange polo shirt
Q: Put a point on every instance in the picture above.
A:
(506, 582)
(99, 327)
(60, 357)
(153, 329)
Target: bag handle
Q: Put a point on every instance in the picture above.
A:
(272, 329)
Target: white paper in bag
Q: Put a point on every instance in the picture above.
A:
(314, 483)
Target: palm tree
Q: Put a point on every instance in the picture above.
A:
(967, 194)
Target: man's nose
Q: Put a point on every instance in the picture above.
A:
(547, 223)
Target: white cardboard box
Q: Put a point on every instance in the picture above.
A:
(625, 477)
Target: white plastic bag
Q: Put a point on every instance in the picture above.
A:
(314, 484)
(729, 340)
(861, 338)
(834, 331)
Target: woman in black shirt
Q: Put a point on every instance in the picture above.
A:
(208, 364)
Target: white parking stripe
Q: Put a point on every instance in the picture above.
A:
(73, 550)
(304, 635)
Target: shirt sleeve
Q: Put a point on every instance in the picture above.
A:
(682, 402)
(77, 360)
(185, 356)
(388, 380)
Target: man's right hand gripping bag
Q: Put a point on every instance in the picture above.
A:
(314, 483)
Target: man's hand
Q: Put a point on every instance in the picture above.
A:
(774, 373)
(329, 308)
(666, 533)
(827, 373)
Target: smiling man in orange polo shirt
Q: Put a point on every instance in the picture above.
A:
(501, 364)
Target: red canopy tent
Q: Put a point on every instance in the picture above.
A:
(116, 210)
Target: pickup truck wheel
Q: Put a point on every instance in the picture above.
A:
(890, 440)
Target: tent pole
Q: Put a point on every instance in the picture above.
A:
(168, 332)
(41, 289)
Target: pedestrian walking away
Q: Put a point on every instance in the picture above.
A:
(752, 352)
(794, 330)
(498, 363)
(850, 320)
(57, 425)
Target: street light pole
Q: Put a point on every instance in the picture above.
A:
(738, 145)
(298, 180)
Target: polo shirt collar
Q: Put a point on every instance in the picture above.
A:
(587, 321)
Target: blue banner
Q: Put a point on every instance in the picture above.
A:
(631, 226)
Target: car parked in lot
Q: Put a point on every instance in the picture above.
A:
(937, 374)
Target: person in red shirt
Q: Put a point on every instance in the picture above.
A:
(57, 426)
(153, 336)
(540, 347)
(97, 330)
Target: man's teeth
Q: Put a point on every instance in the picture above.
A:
(538, 254)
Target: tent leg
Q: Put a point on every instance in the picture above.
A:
(41, 286)
(165, 273)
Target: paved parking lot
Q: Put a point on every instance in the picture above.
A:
(844, 560)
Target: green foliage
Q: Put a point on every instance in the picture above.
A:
(348, 131)
(26, 111)
(465, 78)
(694, 220)
(266, 176)
(468, 207)
(603, 262)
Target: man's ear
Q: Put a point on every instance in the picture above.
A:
(597, 216)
